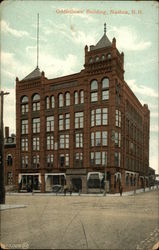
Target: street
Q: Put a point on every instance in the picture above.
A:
(81, 222)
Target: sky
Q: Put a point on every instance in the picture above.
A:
(65, 28)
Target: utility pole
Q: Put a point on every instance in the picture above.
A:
(2, 186)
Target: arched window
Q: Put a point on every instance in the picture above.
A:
(52, 102)
(94, 91)
(24, 105)
(60, 100)
(24, 99)
(67, 99)
(36, 102)
(90, 60)
(105, 89)
(81, 96)
(103, 57)
(97, 59)
(9, 160)
(109, 56)
(47, 102)
(94, 85)
(76, 97)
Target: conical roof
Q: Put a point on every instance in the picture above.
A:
(103, 42)
(34, 74)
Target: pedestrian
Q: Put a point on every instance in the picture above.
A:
(70, 188)
(65, 189)
(121, 190)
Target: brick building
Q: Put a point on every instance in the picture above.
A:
(9, 158)
(86, 128)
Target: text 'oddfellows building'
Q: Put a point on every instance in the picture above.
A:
(87, 128)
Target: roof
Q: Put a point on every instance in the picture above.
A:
(34, 74)
(103, 42)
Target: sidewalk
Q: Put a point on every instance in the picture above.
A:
(133, 192)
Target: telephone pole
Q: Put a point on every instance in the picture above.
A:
(2, 186)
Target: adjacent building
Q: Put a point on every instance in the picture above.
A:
(9, 159)
(87, 128)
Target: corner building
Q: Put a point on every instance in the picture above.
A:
(87, 128)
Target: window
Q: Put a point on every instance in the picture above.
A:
(36, 102)
(117, 159)
(9, 160)
(79, 140)
(36, 125)
(117, 139)
(81, 96)
(79, 120)
(24, 161)
(79, 159)
(36, 161)
(103, 57)
(118, 118)
(94, 91)
(99, 138)
(24, 126)
(76, 97)
(64, 160)
(105, 89)
(98, 158)
(24, 105)
(50, 160)
(52, 102)
(67, 121)
(50, 123)
(36, 144)
(61, 122)
(47, 102)
(64, 141)
(99, 117)
(109, 56)
(60, 100)
(67, 100)
(50, 142)
(90, 60)
(97, 59)
(9, 178)
(24, 144)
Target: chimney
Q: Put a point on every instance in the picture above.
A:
(6, 132)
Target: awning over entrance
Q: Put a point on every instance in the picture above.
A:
(52, 174)
(95, 175)
(28, 174)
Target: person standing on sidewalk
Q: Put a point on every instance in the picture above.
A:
(120, 190)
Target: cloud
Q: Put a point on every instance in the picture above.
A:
(154, 114)
(12, 67)
(128, 39)
(141, 89)
(154, 128)
(5, 27)
(71, 32)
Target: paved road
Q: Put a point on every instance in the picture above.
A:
(59, 222)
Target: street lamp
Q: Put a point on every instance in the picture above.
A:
(2, 187)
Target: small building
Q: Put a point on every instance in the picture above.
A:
(9, 159)
(88, 128)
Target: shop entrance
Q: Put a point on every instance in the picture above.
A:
(29, 183)
(76, 184)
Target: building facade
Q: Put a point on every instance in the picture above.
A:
(87, 129)
(9, 159)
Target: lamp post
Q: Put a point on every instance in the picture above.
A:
(105, 179)
(2, 187)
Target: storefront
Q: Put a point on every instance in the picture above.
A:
(29, 182)
(52, 179)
